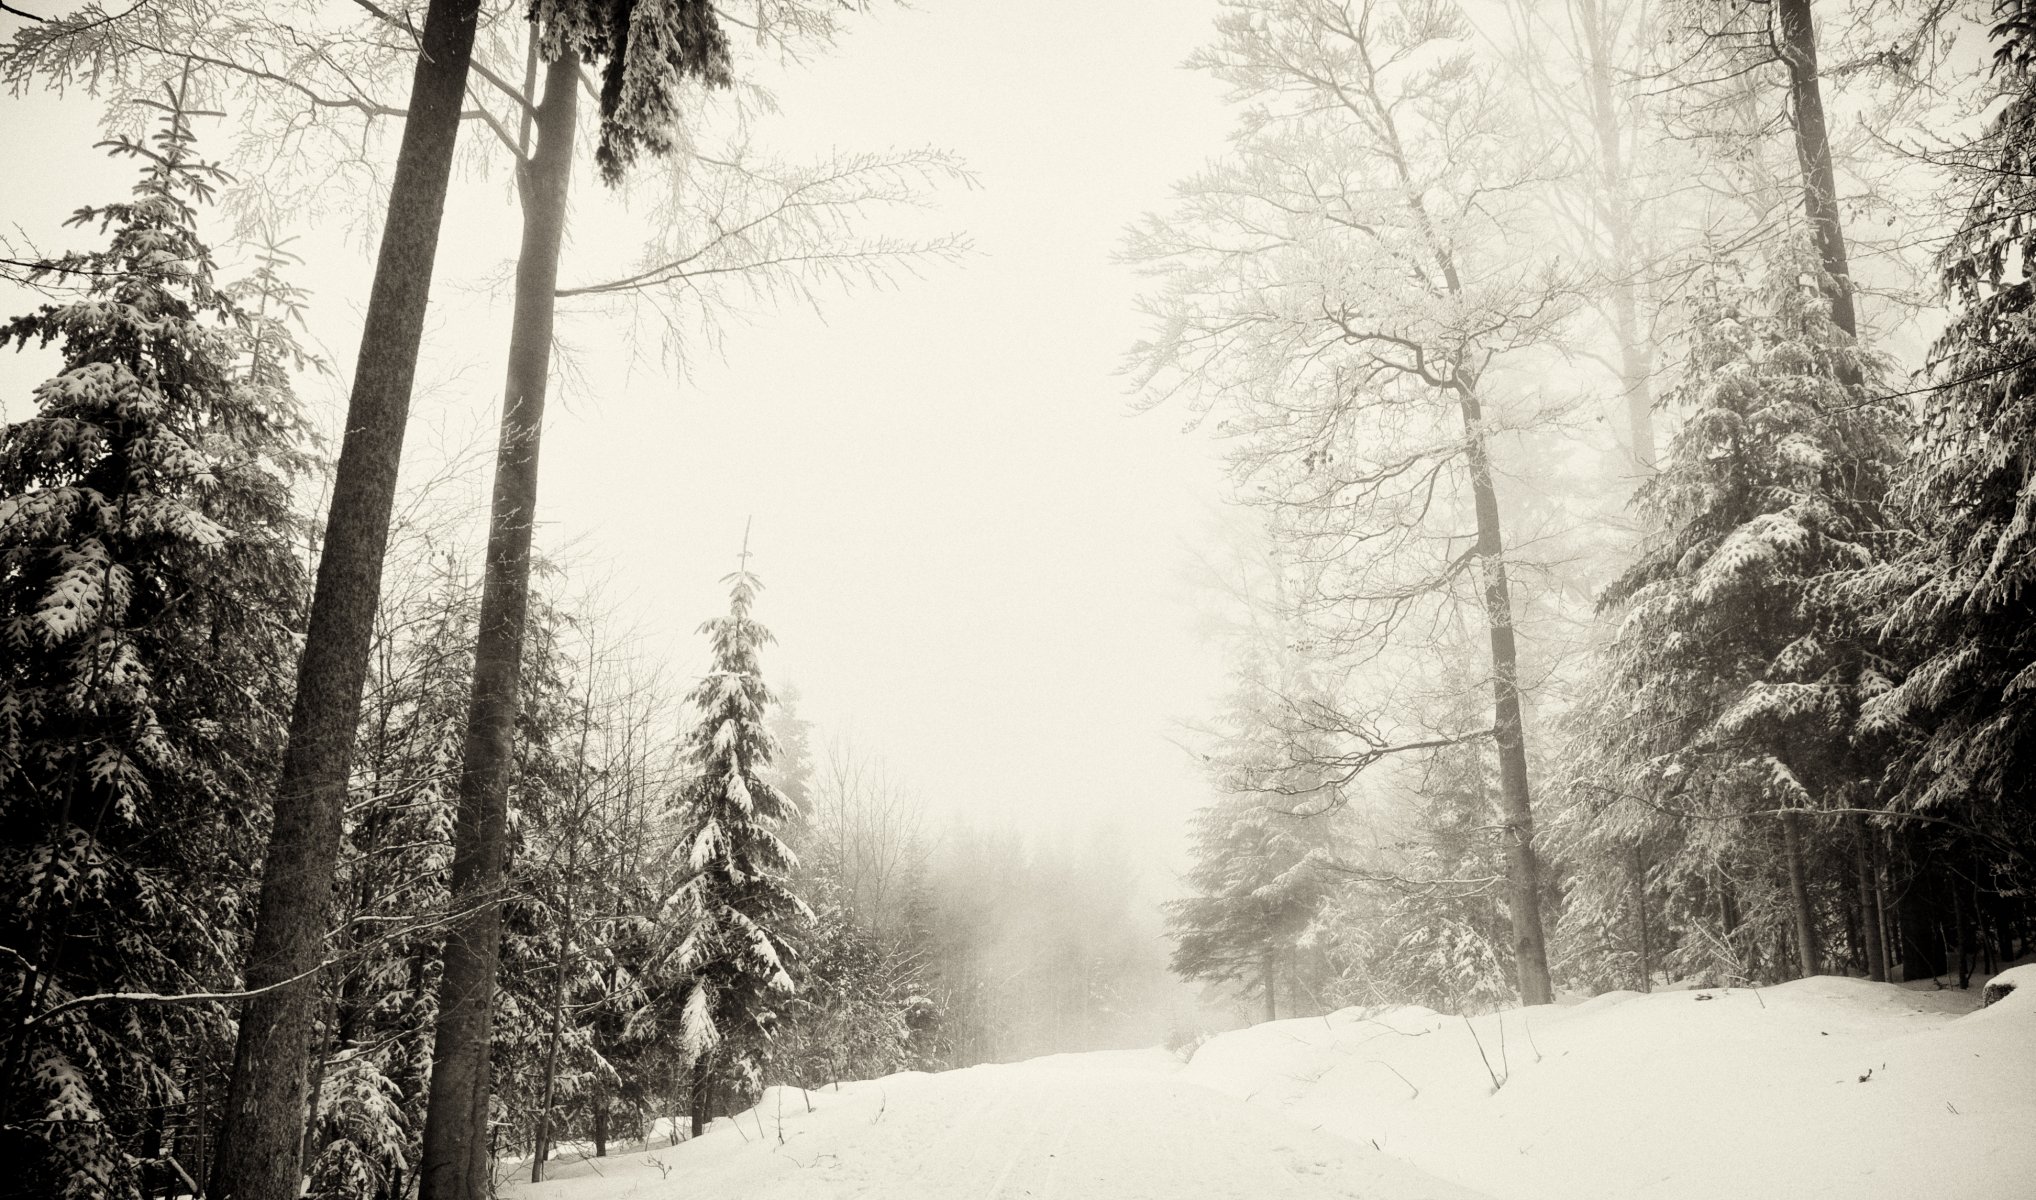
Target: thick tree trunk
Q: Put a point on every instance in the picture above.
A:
(1916, 910)
(599, 1120)
(473, 945)
(1869, 904)
(1799, 896)
(703, 1088)
(1523, 868)
(259, 1151)
(1813, 154)
(1271, 972)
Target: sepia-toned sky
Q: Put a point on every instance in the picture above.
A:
(975, 556)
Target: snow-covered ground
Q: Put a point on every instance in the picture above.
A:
(1822, 1088)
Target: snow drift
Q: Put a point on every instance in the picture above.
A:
(1825, 1087)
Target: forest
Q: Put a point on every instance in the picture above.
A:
(1620, 418)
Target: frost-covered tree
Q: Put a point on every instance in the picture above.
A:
(1265, 848)
(1341, 293)
(730, 919)
(1260, 878)
(1725, 725)
(1963, 603)
(149, 592)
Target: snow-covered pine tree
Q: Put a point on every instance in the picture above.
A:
(731, 913)
(148, 593)
(1963, 602)
(1262, 849)
(1727, 715)
(1259, 882)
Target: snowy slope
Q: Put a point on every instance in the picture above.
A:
(1076, 1127)
(1814, 1090)
(1824, 1087)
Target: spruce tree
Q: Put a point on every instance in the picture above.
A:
(148, 596)
(1962, 603)
(1261, 850)
(731, 914)
(1259, 881)
(1727, 716)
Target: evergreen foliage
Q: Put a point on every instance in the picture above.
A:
(1962, 602)
(149, 592)
(730, 917)
(1727, 713)
(648, 50)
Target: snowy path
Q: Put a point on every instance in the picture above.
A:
(1076, 1127)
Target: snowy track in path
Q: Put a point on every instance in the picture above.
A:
(1074, 1127)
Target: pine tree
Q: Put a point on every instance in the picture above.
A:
(1262, 851)
(1962, 603)
(148, 595)
(1727, 717)
(1260, 880)
(731, 914)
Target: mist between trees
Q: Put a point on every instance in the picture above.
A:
(1622, 594)
(1626, 600)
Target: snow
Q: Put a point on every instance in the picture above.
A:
(1825, 1087)
(1110, 1126)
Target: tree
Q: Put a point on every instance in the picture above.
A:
(1260, 879)
(729, 918)
(1957, 603)
(148, 600)
(1727, 719)
(673, 43)
(261, 1144)
(1343, 290)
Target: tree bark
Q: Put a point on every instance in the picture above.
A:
(259, 1151)
(1869, 906)
(1272, 1006)
(480, 853)
(1799, 895)
(1813, 155)
(1915, 920)
(703, 1087)
(1523, 867)
(1640, 916)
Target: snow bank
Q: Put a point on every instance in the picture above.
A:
(1824, 1087)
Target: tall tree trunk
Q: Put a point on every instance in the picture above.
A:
(703, 1087)
(1640, 916)
(473, 944)
(1523, 868)
(599, 1119)
(1962, 935)
(1869, 904)
(1271, 971)
(1890, 938)
(1799, 895)
(1615, 208)
(1916, 921)
(1813, 155)
(259, 1151)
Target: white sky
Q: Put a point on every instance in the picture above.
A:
(974, 555)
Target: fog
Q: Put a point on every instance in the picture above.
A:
(1258, 507)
